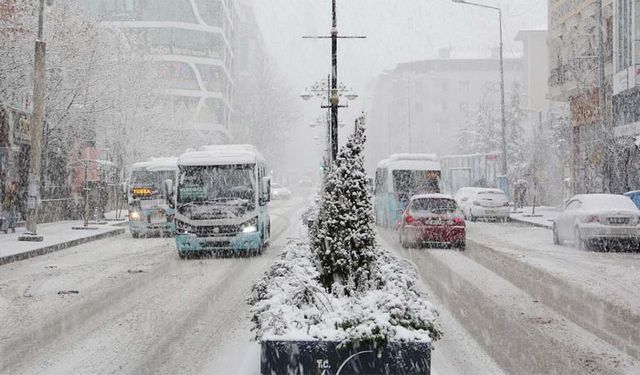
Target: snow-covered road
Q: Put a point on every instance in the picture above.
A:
(518, 331)
(125, 305)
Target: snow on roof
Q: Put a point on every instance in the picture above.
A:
(159, 164)
(156, 164)
(432, 196)
(488, 190)
(419, 162)
(606, 201)
(221, 155)
(139, 166)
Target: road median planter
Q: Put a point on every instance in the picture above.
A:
(333, 357)
(305, 329)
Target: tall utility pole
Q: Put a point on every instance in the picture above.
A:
(409, 111)
(334, 98)
(37, 126)
(503, 130)
(602, 104)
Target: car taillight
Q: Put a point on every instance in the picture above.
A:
(458, 221)
(409, 219)
(593, 219)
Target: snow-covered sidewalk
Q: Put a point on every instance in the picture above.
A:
(543, 216)
(57, 236)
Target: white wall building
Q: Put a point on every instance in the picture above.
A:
(421, 106)
(192, 43)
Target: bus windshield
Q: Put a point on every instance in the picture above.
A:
(151, 179)
(223, 184)
(416, 182)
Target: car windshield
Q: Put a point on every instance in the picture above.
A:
(433, 205)
(605, 202)
(217, 184)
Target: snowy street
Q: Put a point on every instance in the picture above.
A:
(533, 306)
(125, 305)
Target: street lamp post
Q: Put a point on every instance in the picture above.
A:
(334, 97)
(502, 108)
(331, 99)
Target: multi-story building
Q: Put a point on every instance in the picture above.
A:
(192, 43)
(573, 79)
(422, 106)
(626, 94)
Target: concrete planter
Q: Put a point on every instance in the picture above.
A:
(332, 358)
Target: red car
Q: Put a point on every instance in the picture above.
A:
(431, 219)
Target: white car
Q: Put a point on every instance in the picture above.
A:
(484, 203)
(463, 194)
(590, 218)
(279, 192)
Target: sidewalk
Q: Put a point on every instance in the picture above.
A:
(543, 217)
(57, 236)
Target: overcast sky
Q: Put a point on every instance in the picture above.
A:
(397, 31)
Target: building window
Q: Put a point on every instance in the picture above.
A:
(624, 38)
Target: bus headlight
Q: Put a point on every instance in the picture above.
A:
(250, 226)
(134, 215)
(250, 229)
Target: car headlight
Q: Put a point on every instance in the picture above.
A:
(134, 215)
(250, 226)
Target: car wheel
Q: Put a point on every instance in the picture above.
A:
(556, 238)
(135, 234)
(402, 239)
(578, 241)
(182, 254)
(460, 245)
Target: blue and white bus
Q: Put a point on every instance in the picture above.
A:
(221, 198)
(149, 212)
(398, 178)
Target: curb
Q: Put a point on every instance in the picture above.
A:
(538, 225)
(60, 246)
(612, 323)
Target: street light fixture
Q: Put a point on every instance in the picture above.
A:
(331, 100)
(502, 108)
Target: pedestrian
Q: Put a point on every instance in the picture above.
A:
(9, 201)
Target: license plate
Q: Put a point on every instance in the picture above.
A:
(157, 219)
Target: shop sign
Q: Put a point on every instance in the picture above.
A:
(585, 108)
(21, 128)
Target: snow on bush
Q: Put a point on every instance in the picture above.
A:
(289, 303)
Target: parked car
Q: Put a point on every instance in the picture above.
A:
(484, 203)
(635, 197)
(432, 218)
(591, 218)
(463, 194)
(305, 181)
(279, 192)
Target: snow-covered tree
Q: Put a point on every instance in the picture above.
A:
(344, 240)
